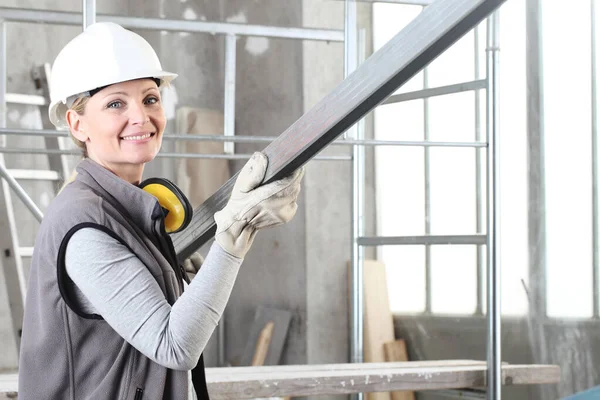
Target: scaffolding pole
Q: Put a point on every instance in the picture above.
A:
(21, 193)
(351, 50)
(89, 13)
(172, 25)
(494, 372)
(229, 92)
(261, 139)
(595, 169)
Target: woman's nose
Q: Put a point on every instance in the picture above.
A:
(138, 114)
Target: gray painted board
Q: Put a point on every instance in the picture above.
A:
(302, 380)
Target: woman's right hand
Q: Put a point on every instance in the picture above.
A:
(252, 207)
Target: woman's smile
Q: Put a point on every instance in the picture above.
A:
(140, 137)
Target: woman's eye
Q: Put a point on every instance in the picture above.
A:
(152, 100)
(114, 104)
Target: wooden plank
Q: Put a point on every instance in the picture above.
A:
(262, 344)
(396, 351)
(377, 377)
(352, 366)
(8, 382)
(432, 32)
(305, 383)
(279, 381)
(378, 321)
(281, 321)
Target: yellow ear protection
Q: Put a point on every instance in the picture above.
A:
(178, 209)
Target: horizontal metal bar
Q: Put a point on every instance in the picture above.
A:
(27, 99)
(437, 91)
(75, 152)
(462, 394)
(403, 2)
(259, 139)
(26, 251)
(35, 174)
(422, 240)
(427, 36)
(72, 18)
(240, 156)
(407, 143)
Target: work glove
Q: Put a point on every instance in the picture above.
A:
(192, 264)
(251, 208)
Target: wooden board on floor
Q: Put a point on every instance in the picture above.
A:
(306, 380)
(278, 332)
(396, 351)
(378, 320)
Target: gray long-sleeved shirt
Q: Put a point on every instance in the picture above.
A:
(112, 282)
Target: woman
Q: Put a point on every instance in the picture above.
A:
(106, 314)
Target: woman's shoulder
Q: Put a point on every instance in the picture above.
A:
(73, 203)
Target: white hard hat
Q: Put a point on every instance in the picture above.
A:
(104, 54)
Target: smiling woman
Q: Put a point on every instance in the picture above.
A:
(106, 316)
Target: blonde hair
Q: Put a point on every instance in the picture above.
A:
(79, 107)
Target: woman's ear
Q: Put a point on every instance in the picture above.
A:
(76, 126)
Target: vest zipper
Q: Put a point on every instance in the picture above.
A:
(138, 394)
(169, 251)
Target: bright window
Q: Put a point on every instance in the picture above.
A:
(401, 174)
(568, 157)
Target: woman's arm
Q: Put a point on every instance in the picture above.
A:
(120, 288)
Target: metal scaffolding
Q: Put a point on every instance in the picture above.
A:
(354, 137)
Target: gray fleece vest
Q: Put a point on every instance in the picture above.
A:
(69, 355)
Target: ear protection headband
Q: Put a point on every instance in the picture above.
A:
(178, 209)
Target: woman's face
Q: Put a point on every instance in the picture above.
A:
(122, 126)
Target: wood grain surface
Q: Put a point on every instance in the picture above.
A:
(304, 380)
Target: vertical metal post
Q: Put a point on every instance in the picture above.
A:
(494, 373)
(536, 175)
(478, 178)
(228, 147)
(229, 97)
(89, 13)
(536, 181)
(350, 47)
(427, 194)
(12, 263)
(358, 201)
(595, 205)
